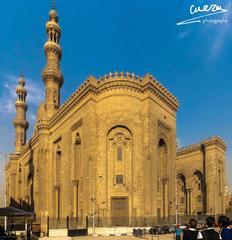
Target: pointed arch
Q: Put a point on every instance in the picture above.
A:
(197, 192)
(181, 194)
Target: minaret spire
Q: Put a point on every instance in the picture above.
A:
(20, 121)
(53, 4)
(51, 74)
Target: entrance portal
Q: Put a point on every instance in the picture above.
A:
(119, 211)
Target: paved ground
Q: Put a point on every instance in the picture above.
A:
(148, 237)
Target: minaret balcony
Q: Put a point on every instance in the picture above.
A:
(20, 104)
(51, 73)
(53, 25)
(21, 123)
(52, 47)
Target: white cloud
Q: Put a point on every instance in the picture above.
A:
(35, 94)
(178, 142)
(31, 117)
(183, 34)
(221, 32)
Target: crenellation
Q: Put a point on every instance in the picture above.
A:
(126, 79)
(212, 141)
(198, 163)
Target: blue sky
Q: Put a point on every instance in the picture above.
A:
(99, 36)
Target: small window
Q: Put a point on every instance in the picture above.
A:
(78, 139)
(199, 198)
(58, 151)
(58, 154)
(182, 200)
(119, 179)
(119, 154)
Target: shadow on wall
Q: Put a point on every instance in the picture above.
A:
(2, 182)
(27, 203)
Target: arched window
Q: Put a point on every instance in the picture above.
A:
(119, 143)
(197, 192)
(119, 153)
(162, 163)
(181, 193)
(78, 139)
(77, 157)
(162, 151)
(58, 165)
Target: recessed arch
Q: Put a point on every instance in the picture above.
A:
(119, 170)
(163, 173)
(198, 192)
(181, 176)
(181, 193)
(198, 173)
(118, 126)
(161, 143)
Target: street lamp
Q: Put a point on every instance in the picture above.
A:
(98, 214)
(93, 198)
(5, 219)
(176, 200)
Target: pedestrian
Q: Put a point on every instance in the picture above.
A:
(209, 233)
(225, 230)
(230, 223)
(2, 232)
(178, 232)
(191, 232)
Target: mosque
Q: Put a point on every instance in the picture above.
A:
(109, 153)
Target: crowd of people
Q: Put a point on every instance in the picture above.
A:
(210, 232)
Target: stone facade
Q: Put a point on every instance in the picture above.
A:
(113, 139)
(109, 152)
(201, 178)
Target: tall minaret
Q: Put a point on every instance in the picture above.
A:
(51, 74)
(20, 121)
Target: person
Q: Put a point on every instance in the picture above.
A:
(2, 232)
(191, 233)
(225, 230)
(29, 232)
(178, 232)
(209, 233)
(230, 223)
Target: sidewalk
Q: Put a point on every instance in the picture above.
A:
(148, 237)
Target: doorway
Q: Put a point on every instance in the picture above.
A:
(119, 211)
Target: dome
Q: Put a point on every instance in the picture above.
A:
(53, 14)
(21, 89)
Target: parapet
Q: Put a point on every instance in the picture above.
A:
(214, 140)
(121, 80)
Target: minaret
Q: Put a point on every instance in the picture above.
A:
(51, 74)
(20, 121)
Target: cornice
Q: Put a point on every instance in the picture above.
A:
(76, 125)
(212, 141)
(116, 81)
